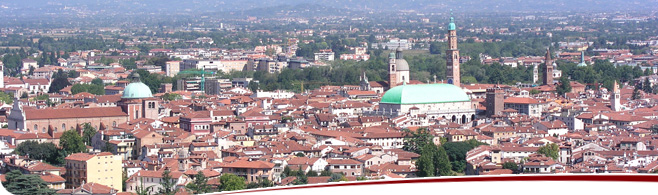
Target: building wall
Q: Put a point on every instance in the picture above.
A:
(61, 125)
(347, 170)
(250, 174)
(151, 109)
(172, 68)
(105, 170)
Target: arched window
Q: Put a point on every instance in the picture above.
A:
(63, 127)
(114, 123)
(392, 67)
(36, 128)
(43, 130)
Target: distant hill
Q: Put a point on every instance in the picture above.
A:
(19, 8)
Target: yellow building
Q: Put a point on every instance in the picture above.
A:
(102, 168)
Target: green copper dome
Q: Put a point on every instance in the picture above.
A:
(451, 26)
(136, 89)
(424, 94)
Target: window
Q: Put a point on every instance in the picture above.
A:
(36, 128)
(63, 127)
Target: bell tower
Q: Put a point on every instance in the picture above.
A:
(452, 55)
(392, 71)
(548, 68)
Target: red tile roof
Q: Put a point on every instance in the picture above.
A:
(32, 114)
(521, 100)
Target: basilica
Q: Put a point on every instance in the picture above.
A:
(437, 100)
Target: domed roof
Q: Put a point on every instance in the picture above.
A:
(402, 65)
(136, 89)
(424, 94)
(451, 25)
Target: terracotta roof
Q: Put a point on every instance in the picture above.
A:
(520, 100)
(50, 178)
(250, 164)
(31, 114)
(85, 156)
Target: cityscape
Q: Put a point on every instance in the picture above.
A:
(167, 97)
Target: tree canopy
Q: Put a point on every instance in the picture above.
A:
(231, 182)
(456, 152)
(414, 141)
(199, 185)
(551, 150)
(72, 142)
(47, 152)
(18, 183)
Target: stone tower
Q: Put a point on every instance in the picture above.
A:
(452, 55)
(495, 101)
(398, 69)
(548, 68)
(392, 76)
(615, 102)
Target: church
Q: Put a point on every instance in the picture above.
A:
(438, 100)
(136, 102)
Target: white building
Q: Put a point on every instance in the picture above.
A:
(278, 94)
(325, 55)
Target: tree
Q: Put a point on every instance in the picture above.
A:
(90, 88)
(261, 183)
(312, 173)
(31, 71)
(73, 74)
(167, 183)
(456, 152)
(286, 172)
(47, 152)
(60, 81)
(325, 173)
(71, 142)
(415, 141)
(646, 86)
(425, 163)
(551, 150)
(171, 96)
(107, 147)
(18, 183)
(433, 161)
(97, 81)
(231, 182)
(337, 177)
(442, 162)
(435, 48)
(636, 93)
(511, 166)
(88, 133)
(564, 86)
(199, 185)
(6, 98)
